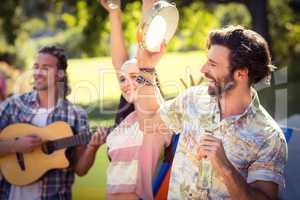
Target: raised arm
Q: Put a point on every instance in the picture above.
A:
(148, 101)
(118, 49)
(147, 4)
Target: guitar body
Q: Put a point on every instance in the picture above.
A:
(37, 162)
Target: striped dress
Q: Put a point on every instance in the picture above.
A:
(134, 156)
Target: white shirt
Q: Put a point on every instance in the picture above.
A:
(34, 190)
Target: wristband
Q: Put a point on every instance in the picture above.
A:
(151, 71)
(143, 81)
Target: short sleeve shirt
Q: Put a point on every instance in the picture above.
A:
(252, 141)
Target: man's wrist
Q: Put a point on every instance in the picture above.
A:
(228, 171)
(93, 147)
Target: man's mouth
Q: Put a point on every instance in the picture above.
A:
(211, 82)
(127, 92)
(39, 79)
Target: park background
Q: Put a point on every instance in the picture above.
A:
(82, 28)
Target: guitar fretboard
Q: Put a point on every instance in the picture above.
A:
(79, 139)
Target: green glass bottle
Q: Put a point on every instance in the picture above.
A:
(205, 174)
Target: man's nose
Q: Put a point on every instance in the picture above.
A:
(204, 69)
(37, 71)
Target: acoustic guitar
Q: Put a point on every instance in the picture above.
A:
(25, 168)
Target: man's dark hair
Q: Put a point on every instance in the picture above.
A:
(247, 49)
(62, 64)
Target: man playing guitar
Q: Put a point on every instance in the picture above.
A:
(44, 105)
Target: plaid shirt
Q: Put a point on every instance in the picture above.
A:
(57, 183)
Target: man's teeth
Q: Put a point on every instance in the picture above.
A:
(211, 81)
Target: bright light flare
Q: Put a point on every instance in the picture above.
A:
(156, 33)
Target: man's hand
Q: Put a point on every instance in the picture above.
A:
(98, 138)
(27, 144)
(149, 59)
(212, 148)
(86, 156)
(104, 3)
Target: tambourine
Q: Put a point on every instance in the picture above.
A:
(157, 25)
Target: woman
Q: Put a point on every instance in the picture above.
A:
(134, 155)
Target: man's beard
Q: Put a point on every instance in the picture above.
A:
(220, 87)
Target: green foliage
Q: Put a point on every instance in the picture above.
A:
(233, 13)
(82, 26)
(285, 31)
(131, 18)
(194, 25)
(9, 18)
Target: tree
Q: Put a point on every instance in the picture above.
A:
(258, 10)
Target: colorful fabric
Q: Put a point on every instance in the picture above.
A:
(160, 185)
(253, 143)
(56, 184)
(134, 156)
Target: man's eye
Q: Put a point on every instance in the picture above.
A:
(134, 77)
(212, 65)
(122, 79)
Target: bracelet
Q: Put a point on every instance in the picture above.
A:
(150, 71)
(143, 81)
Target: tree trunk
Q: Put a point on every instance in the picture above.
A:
(259, 14)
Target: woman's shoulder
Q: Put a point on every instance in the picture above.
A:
(130, 119)
(127, 125)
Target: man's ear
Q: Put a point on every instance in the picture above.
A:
(241, 74)
(61, 74)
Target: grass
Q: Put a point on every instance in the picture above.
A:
(95, 87)
(94, 80)
(92, 186)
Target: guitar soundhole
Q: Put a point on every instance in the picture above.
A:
(48, 147)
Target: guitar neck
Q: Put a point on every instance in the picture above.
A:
(79, 139)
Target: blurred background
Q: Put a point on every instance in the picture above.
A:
(82, 28)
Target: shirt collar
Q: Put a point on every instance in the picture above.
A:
(249, 112)
(254, 105)
(34, 101)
